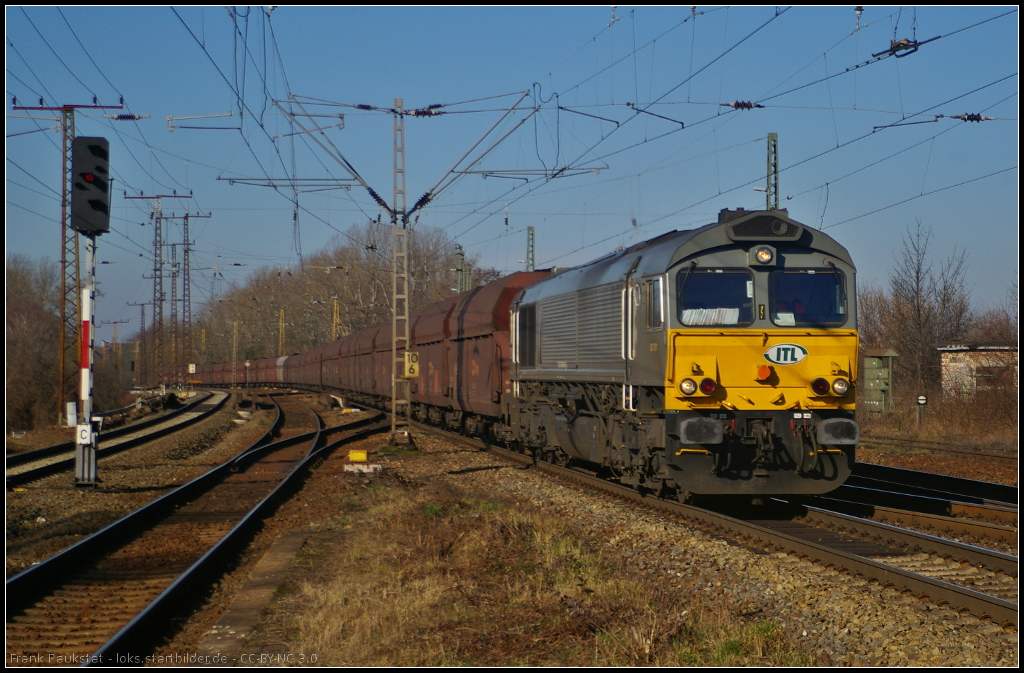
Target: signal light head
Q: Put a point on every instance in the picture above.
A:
(90, 194)
(687, 386)
(708, 386)
(820, 386)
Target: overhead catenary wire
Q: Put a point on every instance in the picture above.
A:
(589, 150)
(250, 51)
(244, 105)
(922, 195)
(811, 158)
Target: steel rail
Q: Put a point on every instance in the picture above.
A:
(24, 588)
(924, 503)
(145, 629)
(930, 445)
(927, 483)
(150, 625)
(48, 469)
(55, 449)
(914, 540)
(939, 522)
(983, 605)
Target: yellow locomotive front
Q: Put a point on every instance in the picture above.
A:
(761, 358)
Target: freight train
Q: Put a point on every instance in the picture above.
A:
(718, 361)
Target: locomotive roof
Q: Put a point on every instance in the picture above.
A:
(737, 228)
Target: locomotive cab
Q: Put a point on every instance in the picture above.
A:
(761, 360)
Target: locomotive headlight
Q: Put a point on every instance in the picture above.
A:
(840, 386)
(687, 386)
(764, 255)
(708, 386)
(820, 386)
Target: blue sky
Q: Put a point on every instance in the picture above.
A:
(629, 107)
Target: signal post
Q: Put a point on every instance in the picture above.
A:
(90, 216)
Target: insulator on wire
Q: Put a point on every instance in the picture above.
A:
(364, 107)
(968, 117)
(742, 105)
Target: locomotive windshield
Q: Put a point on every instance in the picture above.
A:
(808, 297)
(715, 296)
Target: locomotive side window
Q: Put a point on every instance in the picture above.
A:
(715, 296)
(527, 345)
(655, 304)
(808, 297)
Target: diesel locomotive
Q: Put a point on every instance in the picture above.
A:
(716, 361)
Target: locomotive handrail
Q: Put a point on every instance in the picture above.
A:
(622, 332)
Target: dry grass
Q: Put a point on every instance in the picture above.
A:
(431, 576)
(985, 421)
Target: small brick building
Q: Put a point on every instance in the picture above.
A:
(970, 367)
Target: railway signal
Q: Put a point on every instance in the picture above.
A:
(90, 185)
(90, 215)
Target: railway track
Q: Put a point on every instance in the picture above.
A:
(911, 482)
(941, 524)
(977, 580)
(114, 594)
(949, 448)
(29, 466)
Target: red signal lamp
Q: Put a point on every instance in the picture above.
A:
(820, 386)
(708, 386)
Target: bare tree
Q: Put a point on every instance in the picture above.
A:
(31, 336)
(921, 311)
(998, 326)
(872, 316)
(354, 271)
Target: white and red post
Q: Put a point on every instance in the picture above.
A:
(86, 437)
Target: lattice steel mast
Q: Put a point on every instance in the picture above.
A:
(399, 288)
(69, 340)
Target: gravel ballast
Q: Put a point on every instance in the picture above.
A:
(841, 618)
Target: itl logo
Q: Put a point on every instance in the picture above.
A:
(785, 354)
